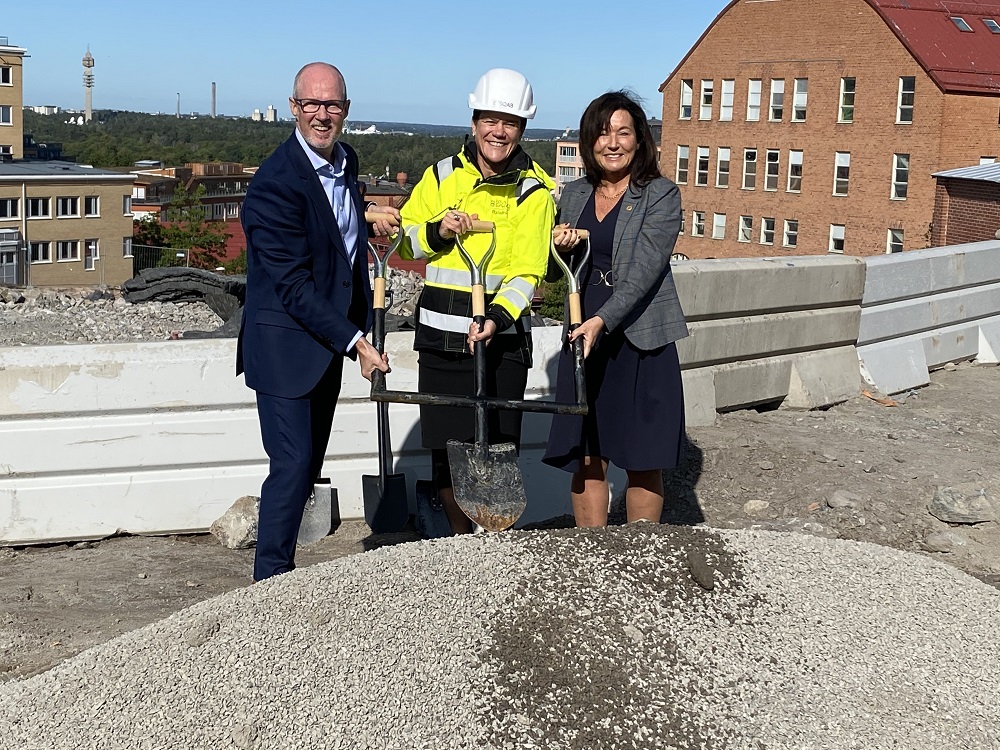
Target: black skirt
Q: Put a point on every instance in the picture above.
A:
(453, 374)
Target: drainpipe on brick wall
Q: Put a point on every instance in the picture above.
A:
(24, 233)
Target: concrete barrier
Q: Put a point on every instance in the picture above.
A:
(925, 308)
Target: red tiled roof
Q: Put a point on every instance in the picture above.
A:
(958, 61)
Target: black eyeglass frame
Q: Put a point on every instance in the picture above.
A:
(333, 106)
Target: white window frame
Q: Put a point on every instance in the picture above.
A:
(705, 99)
(845, 112)
(906, 100)
(746, 229)
(13, 207)
(565, 152)
(90, 259)
(6, 75)
(700, 173)
(727, 100)
(218, 211)
(900, 177)
(39, 201)
(748, 173)
(73, 200)
(38, 245)
(127, 247)
(767, 228)
(753, 99)
(891, 241)
(683, 157)
(777, 101)
(723, 159)
(232, 210)
(842, 161)
(790, 238)
(772, 169)
(126, 205)
(6, 115)
(697, 223)
(794, 184)
(961, 24)
(992, 25)
(718, 226)
(687, 99)
(73, 245)
(86, 210)
(837, 234)
(800, 99)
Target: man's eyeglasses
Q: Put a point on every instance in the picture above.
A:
(333, 106)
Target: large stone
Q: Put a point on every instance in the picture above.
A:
(237, 527)
(964, 504)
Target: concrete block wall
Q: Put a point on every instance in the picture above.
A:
(926, 308)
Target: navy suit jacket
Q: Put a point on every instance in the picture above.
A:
(305, 300)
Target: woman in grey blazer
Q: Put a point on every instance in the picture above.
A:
(631, 317)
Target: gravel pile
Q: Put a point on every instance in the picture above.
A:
(628, 637)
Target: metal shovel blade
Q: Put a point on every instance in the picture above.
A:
(489, 489)
(386, 509)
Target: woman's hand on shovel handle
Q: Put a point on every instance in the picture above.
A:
(591, 330)
(489, 330)
(565, 238)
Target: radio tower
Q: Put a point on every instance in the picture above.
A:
(88, 84)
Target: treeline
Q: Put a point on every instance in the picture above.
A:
(119, 139)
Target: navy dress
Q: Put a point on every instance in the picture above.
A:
(636, 417)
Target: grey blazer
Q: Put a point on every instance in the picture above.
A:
(644, 301)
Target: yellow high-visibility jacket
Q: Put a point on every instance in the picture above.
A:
(520, 203)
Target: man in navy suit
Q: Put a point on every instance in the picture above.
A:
(308, 301)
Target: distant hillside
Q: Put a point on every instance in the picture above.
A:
(119, 139)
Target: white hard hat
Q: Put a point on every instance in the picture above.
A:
(504, 90)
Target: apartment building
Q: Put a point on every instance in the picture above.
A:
(11, 99)
(63, 224)
(805, 127)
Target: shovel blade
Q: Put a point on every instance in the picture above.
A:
(386, 508)
(489, 490)
(430, 518)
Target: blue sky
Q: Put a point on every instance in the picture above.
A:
(404, 61)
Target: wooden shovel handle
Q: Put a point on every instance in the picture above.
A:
(372, 216)
(479, 226)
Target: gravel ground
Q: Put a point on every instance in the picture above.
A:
(551, 639)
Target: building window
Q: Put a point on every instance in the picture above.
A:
(698, 224)
(791, 233)
(722, 168)
(6, 150)
(10, 208)
(718, 226)
(91, 206)
(126, 205)
(232, 210)
(68, 250)
(841, 173)
(777, 100)
(836, 238)
(687, 97)
(706, 100)
(91, 254)
(773, 165)
(6, 115)
(907, 91)
(567, 173)
(900, 175)
(728, 96)
(67, 207)
(218, 211)
(749, 168)
(6, 75)
(846, 113)
(894, 241)
(39, 208)
(799, 97)
(126, 247)
(794, 171)
(683, 157)
(41, 252)
(746, 229)
(566, 152)
(992, 25)
(767, 231)
(960, 23)
(701, 173)
(753, 100)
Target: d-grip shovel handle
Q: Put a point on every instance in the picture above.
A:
(381, 264)
(573, 276)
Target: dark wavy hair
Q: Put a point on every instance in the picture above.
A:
(597, 119)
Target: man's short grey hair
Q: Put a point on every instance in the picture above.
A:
(328, 66)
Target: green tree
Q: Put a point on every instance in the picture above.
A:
(148, 232)
(188, 227)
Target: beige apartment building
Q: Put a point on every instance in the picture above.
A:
(802, 127)
(11, 100)
(63, 224)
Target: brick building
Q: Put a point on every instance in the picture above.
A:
(11, 99)
(805, 126)
(966, 205)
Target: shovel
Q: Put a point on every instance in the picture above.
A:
(486, 479)
(386, 507)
